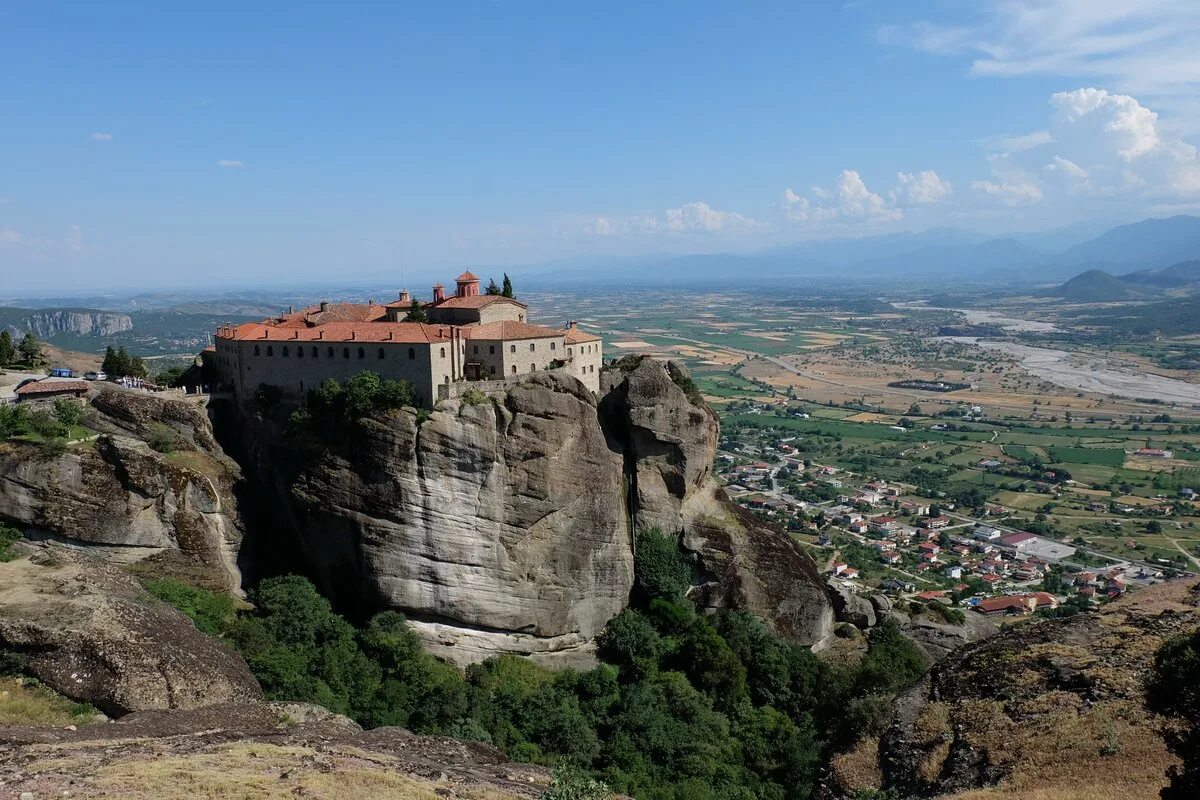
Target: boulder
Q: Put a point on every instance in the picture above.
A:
(89, 631)
(850, 606)
(123, 501)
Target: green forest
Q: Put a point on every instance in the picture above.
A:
(683, 706)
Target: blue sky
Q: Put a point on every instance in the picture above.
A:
(162, 144)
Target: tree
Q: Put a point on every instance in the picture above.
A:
(1172, 690)
(492, 288)
(8, 351)
(69, 412)
(30, 349)
(112, 364)
(630, 642)
(507, 290)
(1154, 526)
(416, 313)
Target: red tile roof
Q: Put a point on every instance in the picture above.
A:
(576, 336)
(466, 276)
(475, 301)
(51, 387)
(995, 605)
(413, 332)
(509, 329)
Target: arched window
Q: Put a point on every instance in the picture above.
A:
(299, 352)
(492, 349)
(330, 353)
(362, 353)
(568, 352)
(446, 379)
(533, 367)
(492, 369)
(256, 350)
(512, 348)
(412, 353)
(532, 346)
(316, 352)
(476, 349)
(381, 354)
(443, 352)
(514, 369)
(345, 352)
(553, 345)
(270, 350)
(285, 351)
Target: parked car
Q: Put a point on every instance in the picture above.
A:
(91, 376)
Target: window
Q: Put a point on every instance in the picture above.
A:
(270, 350)
(362, 353)
(568, 352)
(514, 369)
(381, 354)
(476, 349)
(443, 352)
(345, 352)
(299, 352)
(492, 349)
(553, 345)
(330, 353)
(412, 353)
(316, 351)
(285, 351)
(512, 348)
(533, 367)
(256, 350)
(492, 369)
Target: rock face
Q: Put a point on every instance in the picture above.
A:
(508, 525)
(46, 324)
(497, 527)
(1053, 708)
(254, 750)
(668, 438)
(126, 502)
(89, 631)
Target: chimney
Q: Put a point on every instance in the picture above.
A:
(405, 297)
(291, 309)
(371, 301)
(572, 324)
(439, 293)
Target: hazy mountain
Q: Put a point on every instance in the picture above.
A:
(1147, 244)
(1098, 286)
(1175, 276)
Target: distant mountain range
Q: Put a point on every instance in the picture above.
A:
(936, 254)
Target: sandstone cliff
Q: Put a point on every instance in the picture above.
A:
(508, 525)
(46, 324)
(126, 502)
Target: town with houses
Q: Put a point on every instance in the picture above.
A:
(872, 535)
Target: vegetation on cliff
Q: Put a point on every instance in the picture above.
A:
(1173, 690)
(682, 705)
(331, 409)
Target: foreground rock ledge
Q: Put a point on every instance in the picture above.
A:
(90, 632)
(255, 750)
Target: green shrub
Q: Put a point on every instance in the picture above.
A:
(473, 397)
(68, 412)
(571, 783)
(660, 569)
(7, 537)
(163, 438)
(213, 613)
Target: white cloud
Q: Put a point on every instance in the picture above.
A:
(229, 163)
(1145, 48)
(1101, 144)
(850, 200)
(100, 136)
(923, 188)
(696, 217)
(1014, 144)
(9, 237)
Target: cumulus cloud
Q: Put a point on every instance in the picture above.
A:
(229, 163)
(1098, 143)
(1147, 48)
(850, 200)
(100, 136)
(923, 188)
(695, 217)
